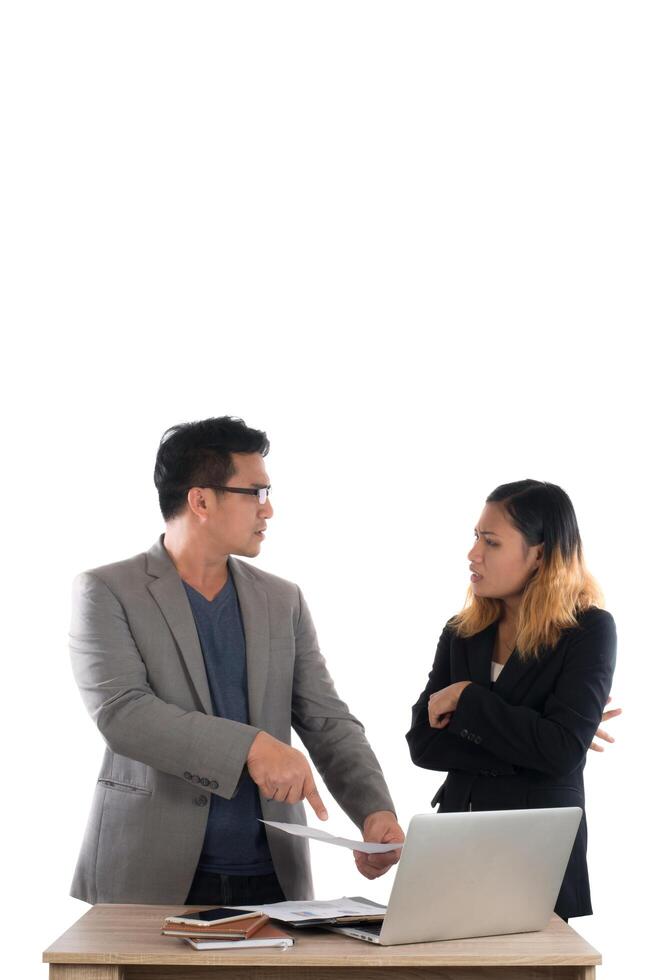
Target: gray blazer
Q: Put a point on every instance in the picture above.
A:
(138, 663)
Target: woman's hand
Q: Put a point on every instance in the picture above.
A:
(601, 733)
(442, 704)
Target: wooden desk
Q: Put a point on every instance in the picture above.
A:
(123, 942)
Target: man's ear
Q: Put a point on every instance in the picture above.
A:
(197, 502)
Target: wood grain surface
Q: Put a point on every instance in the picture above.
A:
(116, 935)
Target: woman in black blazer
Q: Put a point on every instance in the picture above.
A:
(522, 675)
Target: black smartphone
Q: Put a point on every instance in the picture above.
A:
(211, 917)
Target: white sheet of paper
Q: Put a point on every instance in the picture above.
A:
(298, 830)
(304, 911)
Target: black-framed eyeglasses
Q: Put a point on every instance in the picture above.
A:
(260, 492)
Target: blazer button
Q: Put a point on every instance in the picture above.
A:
(187, 775)
(195, 779)
(464, 733)
(204, 781)
(214, 784)
(478, 739)
(471, 737)
(200, 800)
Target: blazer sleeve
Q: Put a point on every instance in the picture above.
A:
(556, 739)
(134, 722)
(432, 748)
(334, 738)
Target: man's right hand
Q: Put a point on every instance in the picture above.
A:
(283, 773)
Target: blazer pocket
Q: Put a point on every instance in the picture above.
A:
(551, 796)
(124, 787)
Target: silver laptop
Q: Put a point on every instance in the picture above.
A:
(475, 874)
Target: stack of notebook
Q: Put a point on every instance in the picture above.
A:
(232, 929)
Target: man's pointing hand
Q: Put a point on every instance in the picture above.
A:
(282, 773)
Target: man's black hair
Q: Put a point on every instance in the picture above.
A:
(199, 453)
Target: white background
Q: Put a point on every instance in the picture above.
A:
(422, 245)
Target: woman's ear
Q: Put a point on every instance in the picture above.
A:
(540, 554)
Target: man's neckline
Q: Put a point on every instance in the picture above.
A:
(226, 586)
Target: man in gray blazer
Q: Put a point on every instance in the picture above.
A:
(195, 666)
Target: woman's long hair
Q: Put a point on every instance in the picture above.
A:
(560, 589)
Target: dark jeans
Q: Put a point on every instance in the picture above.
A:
(209, 888)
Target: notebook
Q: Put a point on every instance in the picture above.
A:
(267, 936)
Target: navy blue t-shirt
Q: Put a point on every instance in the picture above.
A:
(235, 842)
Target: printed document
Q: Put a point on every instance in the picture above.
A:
(337, 908)
(367, 847)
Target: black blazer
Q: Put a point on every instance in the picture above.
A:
(521, 742)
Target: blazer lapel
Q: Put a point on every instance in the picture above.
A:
(169, 593)
(256, 621)
(479, 652)
(513, 671)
